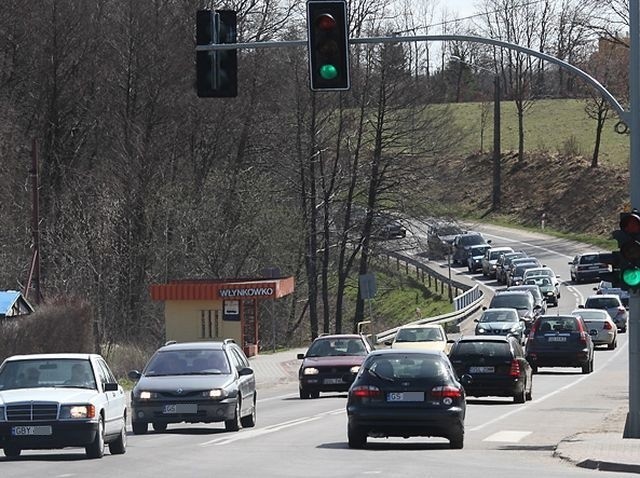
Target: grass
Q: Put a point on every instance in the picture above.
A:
(559, 125)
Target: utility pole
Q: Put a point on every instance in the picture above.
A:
(632, 425)
(496, 143)
(34, 269)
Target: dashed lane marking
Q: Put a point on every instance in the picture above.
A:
(507, 436)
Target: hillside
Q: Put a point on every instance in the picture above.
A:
(575, 197)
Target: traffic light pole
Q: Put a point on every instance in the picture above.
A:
(632, 425)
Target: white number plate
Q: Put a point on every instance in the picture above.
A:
(405, 397)
(558, 338)
(180, 408)
(332, 381)
(482, 369)
(31, 430)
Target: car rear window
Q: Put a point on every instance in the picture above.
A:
(412, 366)
(485, 349)
(602, 303)
(419, 334)
(471, 240)
(590, 259)
(559, 324)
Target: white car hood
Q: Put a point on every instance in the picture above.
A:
(47, 394)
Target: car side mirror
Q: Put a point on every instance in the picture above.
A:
(388, 342)
(110, 387)
(300, 356)
(476, 320)
(245, 371)
(134, 375)
(581, 306)
(484, 307)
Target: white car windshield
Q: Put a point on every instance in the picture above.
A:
(61, 373)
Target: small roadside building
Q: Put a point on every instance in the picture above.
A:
(218, 308)
(14, 304)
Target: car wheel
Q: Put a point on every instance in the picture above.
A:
(613, 344)
(119, 445)
(623, 330)
(534, 369)
(529, 395)
(519, 397)
(233, 425)
(139, 428)
(159, 427)
(456, 441)
(357, 437)
(588, 367)
(12, 451)
(96, 448)
(250, 420)
(304, 393)
(315, 394)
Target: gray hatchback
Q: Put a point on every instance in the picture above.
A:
(194, 382)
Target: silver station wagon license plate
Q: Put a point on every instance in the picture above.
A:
(180, 408)
(36, 430)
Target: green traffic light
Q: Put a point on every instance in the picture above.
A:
(328, 72)
(631, 277)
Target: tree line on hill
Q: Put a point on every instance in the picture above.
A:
(142, 182)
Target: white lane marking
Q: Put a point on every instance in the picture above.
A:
(551, 394)
(508, 436)
(245, 435)
(279, 397)
(506, 239)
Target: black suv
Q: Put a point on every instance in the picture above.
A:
(492, 366)
(560, 341)
(462, 244)
(194, 382)
(330, 363)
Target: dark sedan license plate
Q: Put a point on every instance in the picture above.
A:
(557, 339)
(38, 430)
(405, 397)
(180, 408)
(332, 381)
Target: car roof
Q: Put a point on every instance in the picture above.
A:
(513, 292)
(559, 316)
(485, 338)
(208, 344)
(600, 311)
(502, 248)
(603, 296)
(382, 352)
(339, 336)
(501, 309)
(56, 356)
(421, 326)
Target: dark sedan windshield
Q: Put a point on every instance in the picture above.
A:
(188, 362)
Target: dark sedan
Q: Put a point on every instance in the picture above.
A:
(403, 394)
(331, 363)
(492, 366)
(560, 341)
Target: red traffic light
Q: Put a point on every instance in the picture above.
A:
(630, 223)
(326, 22)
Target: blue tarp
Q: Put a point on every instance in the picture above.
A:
(7, 299)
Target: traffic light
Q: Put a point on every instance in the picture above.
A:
(328, 45)
(216, 70)
(628, 237)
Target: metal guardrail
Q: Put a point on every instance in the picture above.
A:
(467, 298)
(457, 316)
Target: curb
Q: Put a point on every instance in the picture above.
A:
(564, 453)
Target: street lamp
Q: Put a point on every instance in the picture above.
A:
(495, 200)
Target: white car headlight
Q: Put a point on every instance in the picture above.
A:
(354, 369)
(145, 395)
(216, 393)
(481, 331)
(77, 411)
(310, 371)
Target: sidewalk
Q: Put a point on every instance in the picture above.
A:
(602, 449)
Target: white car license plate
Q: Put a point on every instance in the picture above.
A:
(332, 381)
(405, 397)
(558, 338)
(482, 369)
(180, 408)
(41, 430)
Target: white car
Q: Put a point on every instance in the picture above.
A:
(50, 401)
(544, 271)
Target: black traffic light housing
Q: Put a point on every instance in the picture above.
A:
(628, 237)
(216, 70)
(328, 45)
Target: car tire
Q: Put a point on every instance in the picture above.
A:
(528, 396)
(11, 451)
(357, 437)
(588, 367)
(623, 330)
(534, 369)
(139, 428)
(159, 427)
(456, 441)
(613, 344)
(249, 421)
(315, 394)
(119, 445)
(304, 393)
(96, 448)
(520, 397)
(233, 425)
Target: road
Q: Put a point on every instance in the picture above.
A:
(307, 438)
